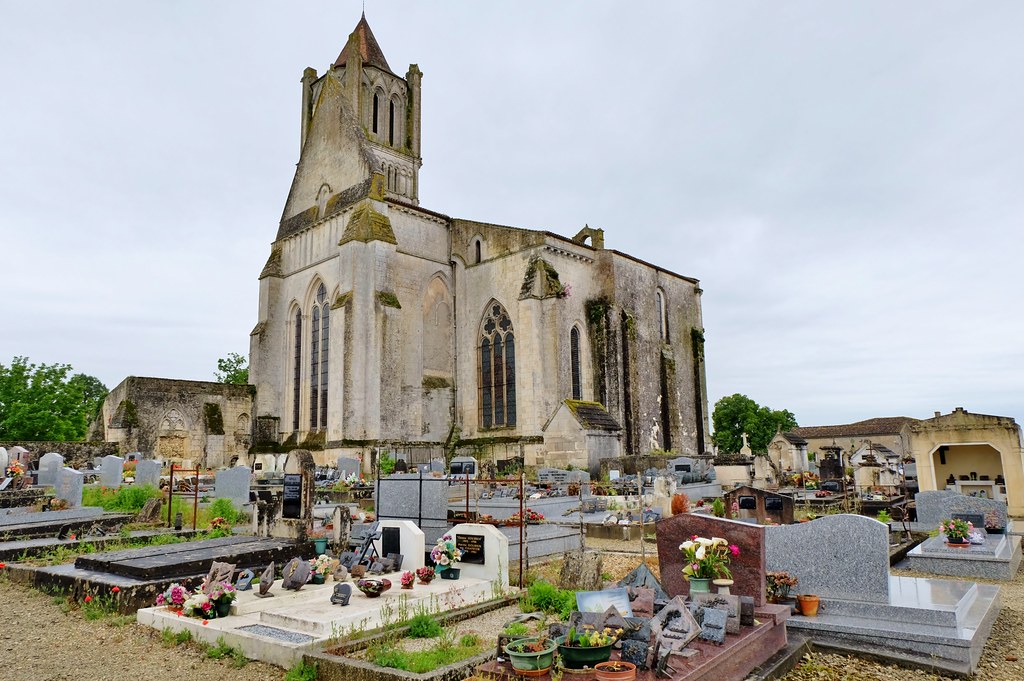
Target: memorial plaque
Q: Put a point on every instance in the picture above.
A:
(390, 540)
(473, 547)
(292, 505)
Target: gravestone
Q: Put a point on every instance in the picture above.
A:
(150, 512)
(342, 594)
(673, 628)
(642, 601)
(402, 537)
(295, 574)
(934, 507)
(233, 484)
(266, 581)
(495, 551)
(408, 496)
(292, 496)
(635, 652)
(976, 519)
(219, 572)
(472, 547)
(69, 487)
(727, 602)
(581, 571)
(838, 556)
(296, 509)
(244, 580)
(746, 611)
(147, 472)
(401, 466)
(748, 569)
(713, 625)
(348, 466)
(49, 465)
(555, 476)
(111, 471)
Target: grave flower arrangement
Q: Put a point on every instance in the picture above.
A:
(15, 470)
(425, 574)
(957, 531)
(322, 564)
(532, 518)
(223, 592)
(778, 585)
(707, 558)
(445, 554)
(407, 579)
(199, 605)
(173, 597)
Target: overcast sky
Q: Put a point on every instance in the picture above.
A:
(845, 179)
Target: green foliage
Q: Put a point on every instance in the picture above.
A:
(386, 463)
(517, 629)
(301, 672)
(214, 418)
(549, 598)
(884, 517)
(469, 641)
(233, 369)
(171, 638)
(41, 402)
(128, 499)
(445, 652)
(738, 414)
(223, 651)
(718, 507)
(223, 508)
(423, 625)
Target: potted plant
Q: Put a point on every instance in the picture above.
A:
(615, 671)
(199, 605)
(445, 554)
(586, 647)
(407, 579)
(957, 531)
(321, 568)
(425, 574)
(512, 631)
(320, 540)
(531, 656)
(223, 595)
(993, 525)
(706, 559)
(778, 585)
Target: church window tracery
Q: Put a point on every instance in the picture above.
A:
(318, 356)
(297, 370)
(497, 365)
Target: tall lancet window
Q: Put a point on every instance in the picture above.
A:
(574, 361)
(297, 370)
(318, 336)
(391, 123)
(497, 370)
(376, 112)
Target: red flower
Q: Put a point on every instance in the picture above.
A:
(734, 549)
(88, 599)
(3, 565)
(116, 589)
(205, 622)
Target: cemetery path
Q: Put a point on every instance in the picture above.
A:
(43, 639)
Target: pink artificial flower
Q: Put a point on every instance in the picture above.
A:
(734, 549)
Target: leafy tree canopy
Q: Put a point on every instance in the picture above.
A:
(738, 414)
(233, 369)
(41, 402)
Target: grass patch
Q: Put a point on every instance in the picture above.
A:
(301, 672)
(222, 651)
(446, 652)
(128, 499)
(171, 638)
(543, 595)
(423, 625)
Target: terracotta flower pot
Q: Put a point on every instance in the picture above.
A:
(615, 671)
(808, 605)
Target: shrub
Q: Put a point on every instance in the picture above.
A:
(423, 625)
(680, 504)
(549, 598)
(128, 499)
(223, 508)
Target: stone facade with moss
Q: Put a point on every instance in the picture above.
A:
(384, 325)
(194, 423)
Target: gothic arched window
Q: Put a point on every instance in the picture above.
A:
(318, 337)
(478, 249)
(391, 123)
(297, 370)
(497, 366)
(376, 112)
(662, 320)
(574, 360)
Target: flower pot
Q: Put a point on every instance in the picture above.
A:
(320, 546)
(223, 608)
(531, 663)
(575, 657)
(808, 605)
(792, 603)
(700, 586)
(451, 573)
(407, 586)
(318, 578)
(615, 671)
(961, 543)
(426, 581)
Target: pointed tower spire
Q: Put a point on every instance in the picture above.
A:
(369, 49)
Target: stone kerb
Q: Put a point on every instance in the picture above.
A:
(935, 506)
(495, 546)
(844, 557)
(410, 538)
(747, 570)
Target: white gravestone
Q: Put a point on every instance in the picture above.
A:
(410, 538)
(233, 484)
(49, 465)
(69, 486)
(147, 472)
(111, 471)
(495, 552)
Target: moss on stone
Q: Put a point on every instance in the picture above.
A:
(342, 300)
(436, 383)
(697, 337)
(388, 299)
(315, 440)
(213, 418)
(367, 225)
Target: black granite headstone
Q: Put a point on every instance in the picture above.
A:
(390, 540)
(472, 546)
(292, 504)
(747, 611)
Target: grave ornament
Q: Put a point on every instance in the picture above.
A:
(267, 581)
(219, 572)
(671, 630)
(295, 574)
(342, 594)
(244, 580)
(341, 573)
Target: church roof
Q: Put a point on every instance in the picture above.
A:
(887, 425)
(369, 49)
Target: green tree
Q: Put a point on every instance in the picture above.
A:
(40, 402)
(233, 369)
(738, 414)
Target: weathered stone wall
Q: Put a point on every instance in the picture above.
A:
(76, 454)
(203, 422)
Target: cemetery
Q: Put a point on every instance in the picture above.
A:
(736, 586)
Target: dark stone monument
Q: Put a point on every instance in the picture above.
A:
(295, 574)
(292, 498)
(390, 540)
(642, 577)
(746, 611)
(266, 581)
(342, 594)
(396, 560)
(472, 546)
(219, 572)
(635, 652)
(713, 625)
(244, 580)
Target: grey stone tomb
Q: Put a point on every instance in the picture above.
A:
(233, 484)
(111, 471)
(147, 472)
(348, 466)
(49, 465)
(70, 484)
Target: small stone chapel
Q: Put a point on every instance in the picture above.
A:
(385, 324)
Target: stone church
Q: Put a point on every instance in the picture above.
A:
(387, 326)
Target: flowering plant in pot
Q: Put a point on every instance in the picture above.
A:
(445, 554)
(957, 531)
(407, 579)
(199, 605)
(707, 559)
(222, 595)
(373, 588)
(531, 655)
(425, 574)
(586, 647)
(321, 566)
(778, 585)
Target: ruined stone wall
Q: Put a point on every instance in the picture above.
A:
(76, 454)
